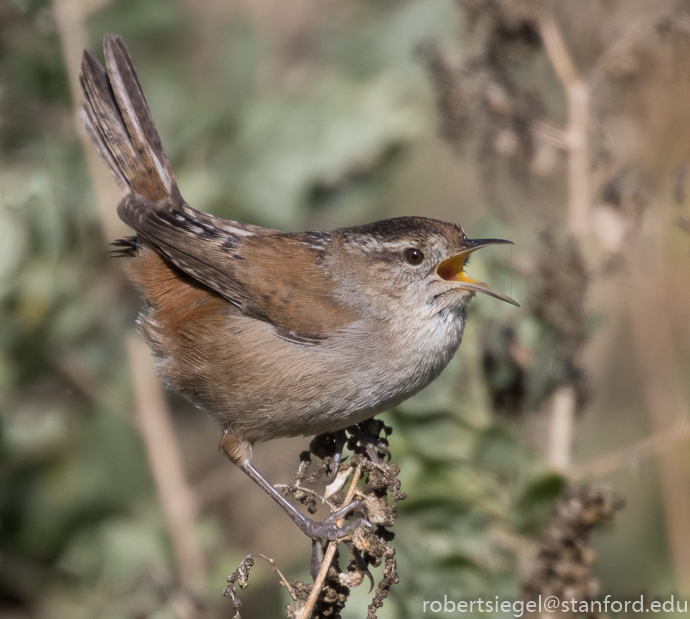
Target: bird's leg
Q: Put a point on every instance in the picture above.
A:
(371, 444)
(326, 529)
(240, 453)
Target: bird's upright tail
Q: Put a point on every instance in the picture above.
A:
(118, 121)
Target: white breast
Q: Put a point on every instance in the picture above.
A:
(381, 370)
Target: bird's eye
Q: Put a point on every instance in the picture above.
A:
(413, 256)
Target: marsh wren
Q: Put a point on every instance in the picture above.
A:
(275, 334)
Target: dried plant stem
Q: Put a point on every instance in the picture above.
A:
(654, 445)
(667, 406)
(285, 581)
(155, 424)
(177, 498)
(561, 430)
(553, 135)
(306, 610)
(650, 320)
(628, 41)
(577, 94)
(70, 17)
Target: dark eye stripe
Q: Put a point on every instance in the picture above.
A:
(413, 256)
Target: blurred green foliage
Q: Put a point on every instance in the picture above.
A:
(81, 533)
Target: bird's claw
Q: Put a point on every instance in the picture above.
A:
(361, 564)
(372, 445)
(329, 529)
(340, 441)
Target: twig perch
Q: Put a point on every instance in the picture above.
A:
(380, 494)
(306, 610)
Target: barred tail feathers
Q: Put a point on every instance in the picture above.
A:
(119, 122)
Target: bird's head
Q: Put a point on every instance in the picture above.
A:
(416, 261)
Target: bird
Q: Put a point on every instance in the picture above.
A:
(275, 334)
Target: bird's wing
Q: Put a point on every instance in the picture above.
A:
(267, 280)
(278, 278)
(287, 278)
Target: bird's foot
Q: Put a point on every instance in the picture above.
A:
(328, 529)
(375, 447)
(371, 444)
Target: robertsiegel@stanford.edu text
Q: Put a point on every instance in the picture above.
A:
(551, 604)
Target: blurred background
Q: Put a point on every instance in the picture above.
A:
(564, 127)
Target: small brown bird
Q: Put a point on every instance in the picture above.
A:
(275, 334)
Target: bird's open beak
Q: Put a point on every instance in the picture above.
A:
(452, 269)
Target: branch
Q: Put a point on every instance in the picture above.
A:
(651, 446)
(551, 135)
(306, 610)
(241, 577)
(664, 393)
(379, 496)
(577, 94)
(561, 430)
(71, 24)
(177, 498)
(617, 55)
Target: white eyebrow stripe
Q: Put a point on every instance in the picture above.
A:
(374, 244)
(399, 244)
